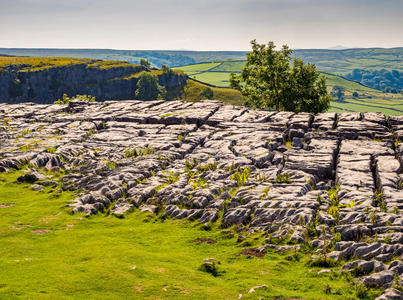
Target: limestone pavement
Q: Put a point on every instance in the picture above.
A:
(326, 179)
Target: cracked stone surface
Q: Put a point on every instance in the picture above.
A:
(279, 172)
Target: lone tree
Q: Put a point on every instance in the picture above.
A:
(270, 80)
(338, 92)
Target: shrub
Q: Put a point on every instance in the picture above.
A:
(334, 212)
(206, 93)
(135, 152)
(201, 183)
(51, 150)
(332, 193)
(323, 262)
(210, 266)
(373, 217)
(241, 176)
(395, 210)
(283, 178)
(361, 290)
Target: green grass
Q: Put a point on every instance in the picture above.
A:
(332, 80)
(197, 67)
(220, 79)
(365, 107)
(41, 63)
(47, 253)
(192, 93)
(230, 66)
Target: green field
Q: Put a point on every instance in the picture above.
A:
(368, 99)
(48, 253)
(344, 61)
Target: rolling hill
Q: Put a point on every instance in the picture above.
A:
(333, 61)
(368, 99)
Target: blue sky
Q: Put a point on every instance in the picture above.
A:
(200, 25)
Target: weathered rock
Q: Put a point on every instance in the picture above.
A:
(391, 294)
(259, 287)
(381, 279)
(30, 177)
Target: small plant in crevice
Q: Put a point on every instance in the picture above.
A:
(310, 230)
(265, 192)
(378, 201)
(51, 150)
(373, 217)
(24, 133)
(334, 212)
(333, 195)
(172, 177)
(200, 183)
(337, 237)
(111, 165)
(191, 164)
(262, 178)
(135, 152)
(283, 178)
(241, 176)
(207, 167)
(396, 283)
(395, 210)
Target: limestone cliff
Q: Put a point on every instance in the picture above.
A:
(46, 85)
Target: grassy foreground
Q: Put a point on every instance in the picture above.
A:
(47, 253)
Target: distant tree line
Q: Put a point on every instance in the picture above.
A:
(384, 80)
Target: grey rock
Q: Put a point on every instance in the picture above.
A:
(30, 177)
(380, 279)
(391, 294)
(259, 287)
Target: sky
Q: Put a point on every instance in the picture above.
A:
(201, 24)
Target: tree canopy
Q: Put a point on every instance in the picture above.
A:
(145, 63)
(272, 80)
(338, 92)
(147, 87)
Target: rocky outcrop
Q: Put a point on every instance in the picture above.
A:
(47, 85)
(340, 184)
